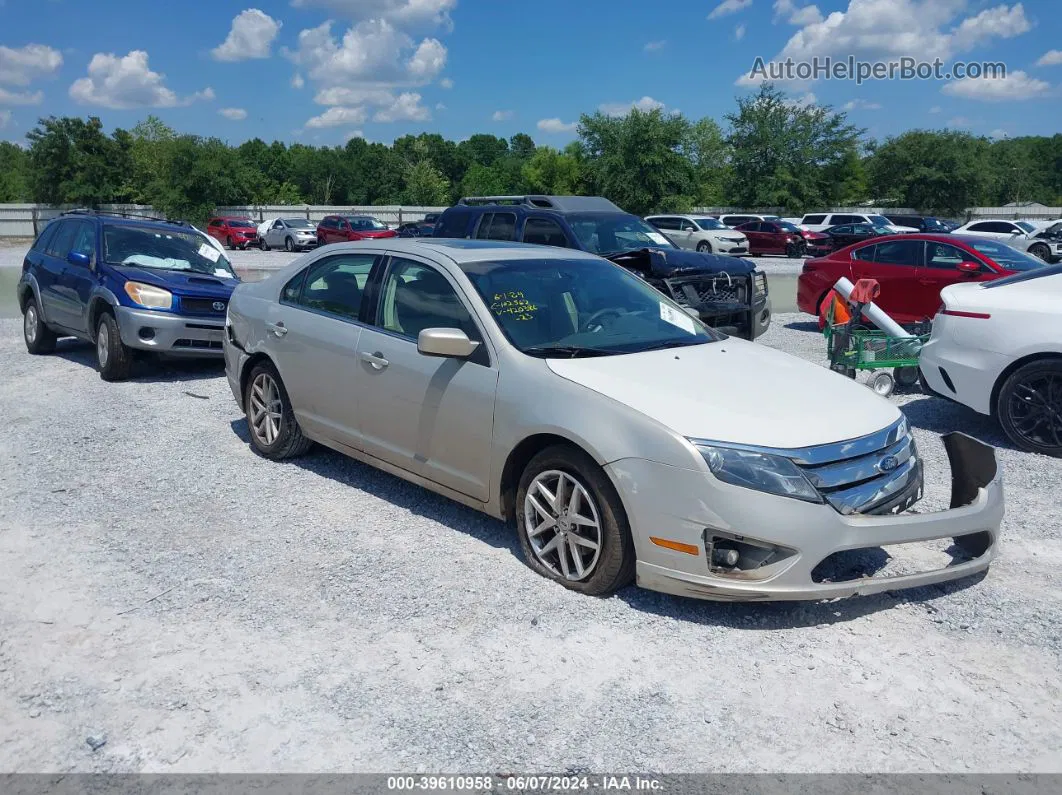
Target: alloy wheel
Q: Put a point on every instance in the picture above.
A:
(103, 345)
(1035, 409)
(267, 409)
(562, 525)
(30, 324)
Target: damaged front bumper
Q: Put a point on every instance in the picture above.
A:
(796, 541)
(737, 305)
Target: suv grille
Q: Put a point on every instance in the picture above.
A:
(694, 290)
(203, 306)
(875, 474)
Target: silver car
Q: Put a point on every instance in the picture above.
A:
(623, 438)
(290, 234)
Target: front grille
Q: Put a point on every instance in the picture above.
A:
(203, 306)
(719, 288)
(206, 345)
(879, 473)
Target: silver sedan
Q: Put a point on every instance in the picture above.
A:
(623, 438)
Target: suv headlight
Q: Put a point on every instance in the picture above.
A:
(750, 469)
(149, 296)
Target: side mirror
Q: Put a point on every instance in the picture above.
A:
(969, 267)
(451, 343)
(79, 259)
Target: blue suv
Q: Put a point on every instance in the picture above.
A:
(125, 284)
(724, 292)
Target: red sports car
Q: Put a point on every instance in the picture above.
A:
(912, 269)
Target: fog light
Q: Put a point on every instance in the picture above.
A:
(725, 557)
(147, 333)
(739, 556)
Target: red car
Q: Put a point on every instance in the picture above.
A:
(234, 232)
(341, 228)
(912, 269)
(782, 237)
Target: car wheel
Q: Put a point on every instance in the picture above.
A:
(1041, 251)
(882, 383)
(39, 338)
(320, 242)
(571, 523)
(262, 244)
(906, 377)
(704, 247)
(289, 244)
(275, 433)
(229, 244)
(1029, 407)
(115, 360)
(793, 250)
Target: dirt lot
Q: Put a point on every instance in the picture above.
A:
(194, 608)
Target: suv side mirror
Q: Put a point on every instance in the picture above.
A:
(79, 259)
(451, 343)
(969, 267)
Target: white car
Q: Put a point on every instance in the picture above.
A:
(997, 348)
(820, 222)
(701, 233)
(737, 219)
(1021, 235)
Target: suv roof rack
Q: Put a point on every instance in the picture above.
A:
(564, 204)
(118, 214)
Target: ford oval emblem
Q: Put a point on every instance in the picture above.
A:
(888, 463)
(219, 306)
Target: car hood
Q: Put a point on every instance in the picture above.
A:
(181, 282)
(736, 391)
(676, 261)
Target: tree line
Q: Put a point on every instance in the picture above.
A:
(768, 152)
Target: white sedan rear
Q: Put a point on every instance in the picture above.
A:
(997, 348)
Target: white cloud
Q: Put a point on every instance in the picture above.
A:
(739, 33)
(341, 95)
(374, 51)
(997, 134)
(297, 81)
(502, 115)
(5, 118)
(728, 7)
(803, 101)
(446, 83)
(21, 66)
(959, 121)
(556, 125)
(623, 108)
(406, 13)
(935, 109)
(251, 36)
(1050, 58)
(127, 82)
(654, 46)
(861, 104)
(406, 107)
(21, 97)
(439, 106)
(338, 117)
(788, 10)
(1015, 87)
(233, 114)
(883, 30)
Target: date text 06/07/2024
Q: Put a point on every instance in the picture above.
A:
(528, 783)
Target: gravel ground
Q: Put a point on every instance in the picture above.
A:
(195, 608)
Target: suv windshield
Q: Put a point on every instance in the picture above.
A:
(879, 220)
(1006, 256)
(239, 223)
(298, 223)
(568, 308)
(605, 233)
(163, 249)
(710, 223)
(365, 224)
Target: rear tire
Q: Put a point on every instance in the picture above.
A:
(275, 433)
(882, 383)
(1029, 407)
(114, 359)
(906, 377)
(589, 495)
(40, 339)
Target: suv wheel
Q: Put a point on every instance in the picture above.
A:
(572, 526)
(115, 360)
(289, 244)
(1029, 407)
(704, 247)
(275, 433)
(229, 244)
(1041, 251)
(39, 338)
(262, 243)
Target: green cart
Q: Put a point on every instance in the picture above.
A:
(852, 346)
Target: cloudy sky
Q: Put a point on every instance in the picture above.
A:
(321, 71)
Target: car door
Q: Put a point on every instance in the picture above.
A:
(755, 236)
(669, 225)
(428, 415)
(895, 266)
(312, 335)
(774, 238)
(50, 275)
(77, 280)
(941, 269)
(274, 235)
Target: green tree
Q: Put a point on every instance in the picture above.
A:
(483, 149)
(72, 161)
(522, 146)
(483, 180)
(637, 160)
(14, 173)
(150, 153)
(707, 149)
(552, 173)
(425, 184)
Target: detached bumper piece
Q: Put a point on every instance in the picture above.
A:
(734, 304)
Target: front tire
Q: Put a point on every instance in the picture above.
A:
(1041, 252)
(1029, 407)
(571, 523)
(704, 247)
(114, 359)
(262, 244)
(275, 433)
(289, 245)
(229, 244)
(40, 339)
(794, 250)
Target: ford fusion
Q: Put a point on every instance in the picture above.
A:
(624, 439)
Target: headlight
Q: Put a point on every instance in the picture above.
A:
(759, 471)
(148, 295)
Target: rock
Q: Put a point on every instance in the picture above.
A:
(96, 741)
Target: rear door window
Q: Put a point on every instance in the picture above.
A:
(665, 223)
(865, 254)
(813, 219)
(84, 239)
(41, 244)
(59, 245)
(849, 219)
(906, 253)
(501, 226)
(544, 232)
(452, 223)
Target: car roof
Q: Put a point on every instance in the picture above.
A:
(147, 223)
(463, 251)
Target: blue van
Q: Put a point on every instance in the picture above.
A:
(127, 285)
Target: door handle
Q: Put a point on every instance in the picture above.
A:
(277, 328)
(927, 282)
(377, 360)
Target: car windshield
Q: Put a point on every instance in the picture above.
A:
(163, 249)
(1026, 226)
(879, 220)
(1006, 256)
(710, 223)
(569, 308)
(933, 223)
(771, 217)
(366, 224)
(298, 223)
(610, 233)
(786, 226)
(882, 230)
(239, 223)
